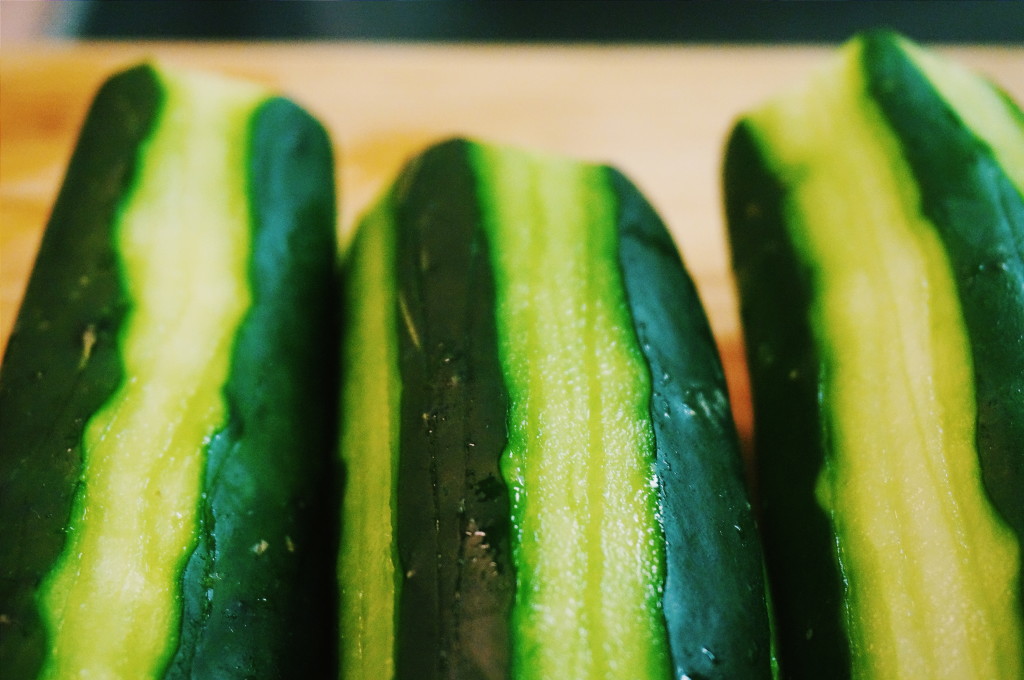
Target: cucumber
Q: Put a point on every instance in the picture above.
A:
(167, 399)
(542, 476)
(876, 220)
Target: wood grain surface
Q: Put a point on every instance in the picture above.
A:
(660, 114)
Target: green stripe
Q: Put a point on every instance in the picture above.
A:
(112, 601)
(699, 466)
(586, 542)
(982, 108)
(61, 363)
(804, 576)
(453, 519)
(256, 590)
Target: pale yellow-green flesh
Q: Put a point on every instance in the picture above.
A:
(112, 602)
(930, 570)
(371, 406)
(579, 463)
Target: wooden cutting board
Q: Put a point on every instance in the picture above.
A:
(661, 114)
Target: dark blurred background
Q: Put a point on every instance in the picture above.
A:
(664, 21)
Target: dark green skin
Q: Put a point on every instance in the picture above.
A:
(269, 470)
(979, 216)
(775, 292)
(458, 585)
(244, 615)
(714, 598)
(49, 383)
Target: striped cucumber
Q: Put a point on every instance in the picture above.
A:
(166, 419)
(877, 222)
(542, 473)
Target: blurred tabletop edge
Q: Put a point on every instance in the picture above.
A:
(605, 21)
